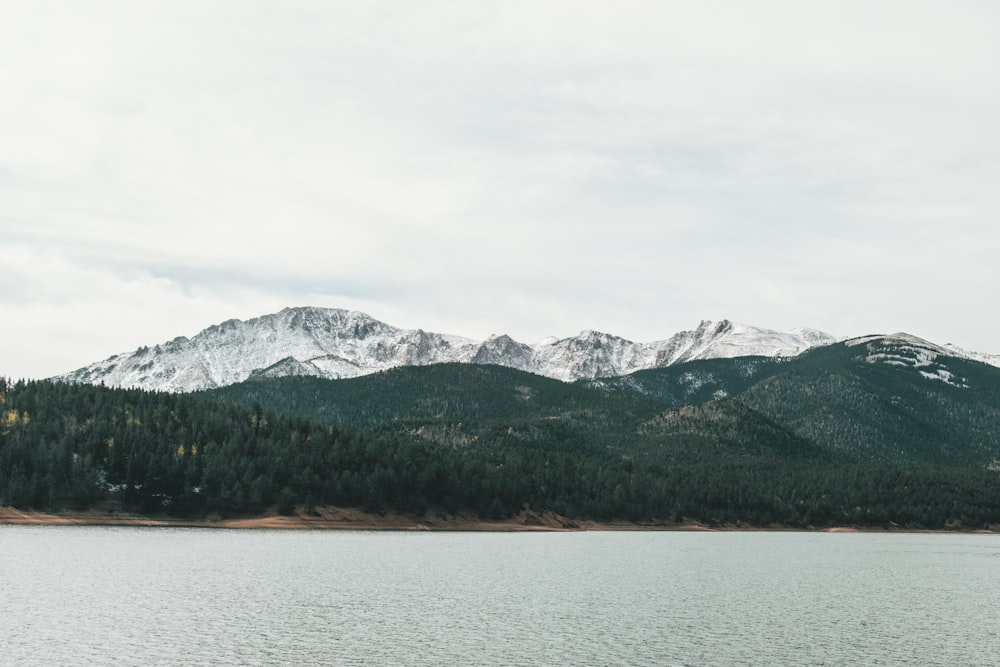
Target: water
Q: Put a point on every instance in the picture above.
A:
(140, 596)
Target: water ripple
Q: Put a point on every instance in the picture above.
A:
(132, 596)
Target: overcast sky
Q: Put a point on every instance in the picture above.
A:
(531, 168)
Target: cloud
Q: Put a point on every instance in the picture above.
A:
(533, 168)
(59, 314)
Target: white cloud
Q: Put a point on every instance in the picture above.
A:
(59, 314)
(534, 168)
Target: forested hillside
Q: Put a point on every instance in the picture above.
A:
(887, 401)
(461, 405)
(478, 439)
(694, 382)
(82, 446)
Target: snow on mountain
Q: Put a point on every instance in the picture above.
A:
(726, 340)
(906, 351)
(312, 341)
(922, 351)
(591, 354)
(336, 343)
(505, 351)
(991, 359)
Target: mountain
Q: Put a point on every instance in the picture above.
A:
(492, 408)
(891, 398)
(886, 430)
(332, 343)
(296, 341)
(469, 406)
(694, 382)
(885, 398)
(986, 358)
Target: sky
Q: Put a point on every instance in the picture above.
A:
(474, 168)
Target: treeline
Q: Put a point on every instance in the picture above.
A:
(443, 393)
(80, 446)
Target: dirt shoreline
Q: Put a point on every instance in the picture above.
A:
(330, 518)
(338, 518)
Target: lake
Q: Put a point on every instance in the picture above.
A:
(174, 596)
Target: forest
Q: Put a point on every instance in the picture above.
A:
(65, 446)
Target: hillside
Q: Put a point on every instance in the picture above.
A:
(491, 408)
(80, 447)
(459, 405)
(877, 431)
(893, 399)
(694, 382)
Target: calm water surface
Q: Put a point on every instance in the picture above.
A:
(147, 596)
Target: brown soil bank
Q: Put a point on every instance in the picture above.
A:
(338, 518)
(331, 518)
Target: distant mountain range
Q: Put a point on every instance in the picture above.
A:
(337, 344)
(883, 399)
(724, 424)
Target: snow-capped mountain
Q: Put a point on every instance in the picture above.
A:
(984, 357)
(297, 341)
(334, 343)
(906, 351)
(592, 354)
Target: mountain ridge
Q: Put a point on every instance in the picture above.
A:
(336, 343)
(892, 400)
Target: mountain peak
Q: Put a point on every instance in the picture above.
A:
(338, 343)
(908, 351)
